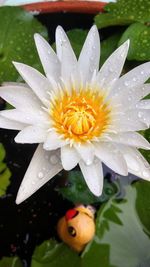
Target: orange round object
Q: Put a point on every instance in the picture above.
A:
(78, 230)
(88, 7)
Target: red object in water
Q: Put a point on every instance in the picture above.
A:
(70, 214)
(90, 7)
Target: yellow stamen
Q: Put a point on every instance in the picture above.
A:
(80, 116)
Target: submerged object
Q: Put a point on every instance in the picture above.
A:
(77, 227)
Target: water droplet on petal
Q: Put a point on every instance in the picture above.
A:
(126, 83)
(40, 175)
(140, 114)
(54, 159)
(88, 162)
(146, 174)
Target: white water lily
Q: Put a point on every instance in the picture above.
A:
(78, 114)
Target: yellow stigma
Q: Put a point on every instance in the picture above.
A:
(80, 116)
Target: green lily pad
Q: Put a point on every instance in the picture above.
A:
(10, 262)
(124, 12)
(108, 46)
(17, 28)
(5, 173)
(139, 35)
(121, 231)
(77, 191)
(53, 254)
(77, 38)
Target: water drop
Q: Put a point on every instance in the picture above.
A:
(88, 162)
(146, 174)
(140, 114)
(54, 159)
(142, 72)
(134, 79)
(126, 83)
(40, 175)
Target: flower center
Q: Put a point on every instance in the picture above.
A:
(80, 116)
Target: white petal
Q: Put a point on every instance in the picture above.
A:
(144, 104)
(111, 156)
(61, 40)
(43, 166)
(12, 125)
(86, 151)
(136, 162)
(69, 63)
(129, 138)
(53, 141)
(93, 175)
(112, 68)
(129, 97)
(89, 57)
(144, 116)
(133, 78)
(69, 157)
(31, 135)
(15, 84)
(39, 84)
(20, 97)
(66, 56)
(128, 121)
(48, 57)
(26, 117)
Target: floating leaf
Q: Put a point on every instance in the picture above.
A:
(10, 262)
(121, 237)
(53, 254)
(5, 173)
(17, 28)
(78, 192)
(139, 35)
(124, 12)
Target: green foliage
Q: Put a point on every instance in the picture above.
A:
(5, 173)
(121, 239)
(10, 262)
(108, 46)
(53, 254)
(121, 234)
(77, 38)
(17, 28)
(78, 192)
(139, 35)
(124, 12)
